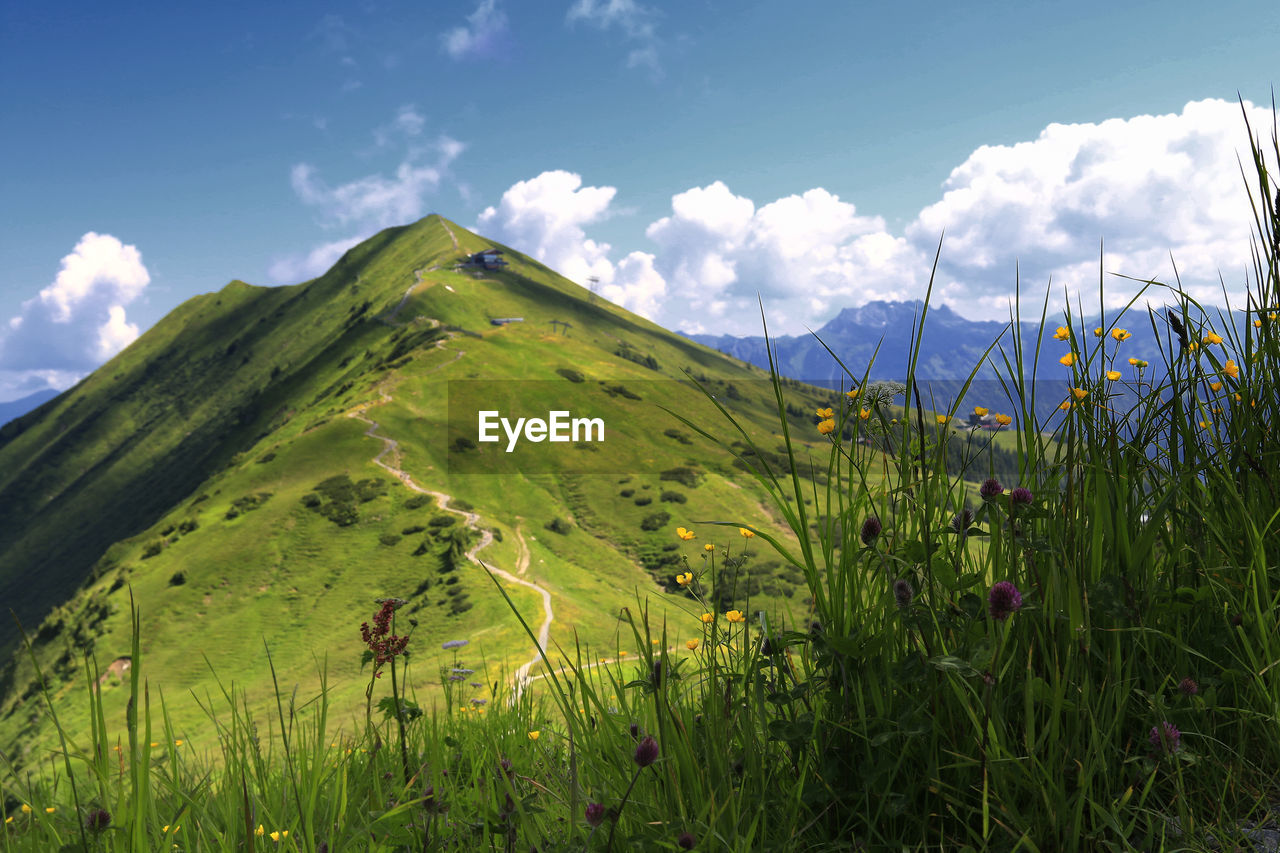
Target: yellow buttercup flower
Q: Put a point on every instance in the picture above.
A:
(52, 809)
(1204, 425)
(684, 534)
(980, 411)
(260, 831)
(1193, 346)
(1064, 405)
(26, 809)
(708, 618)
(1121, 334)
(691, 644)
(825, 413)
(1230, 369)
(746, 534)
(1215, 386)
(735, 616)
(942, 420)
(827, 427)
(9, 819)
(1257, 324)
(1097, 333)
(534, 735)
(1062, 333)
(1213, 338)
(1004, 420)
(708, 547)
(852, 394)
(1068, 359)
(276, 836)
(623, 653)
(863, 414)
(1113, 375)
(685, 579)
(1079, 393)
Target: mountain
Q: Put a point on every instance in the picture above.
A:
(262, 464)
(950, 347)
(17, 408)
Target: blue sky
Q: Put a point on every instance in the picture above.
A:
(690, 154)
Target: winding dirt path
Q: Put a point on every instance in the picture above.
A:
(391, 446)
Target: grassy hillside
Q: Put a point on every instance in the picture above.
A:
(223, 469)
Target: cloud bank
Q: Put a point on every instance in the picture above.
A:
(1149, 186)
(483, 34)
(76, 322)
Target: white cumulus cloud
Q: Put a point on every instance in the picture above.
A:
(77, 321)
(1148, 187)
(482, 34)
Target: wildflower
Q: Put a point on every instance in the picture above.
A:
(1068, 359)
(8, 820)
(454, 644)
(1188, 687)
(708, 618)
(595, 814)
(1215, 386)
(1003, 600)
(686, 841)
(97, 820)
(708, 547)
(1204, 425)
(164, 830)
(1079, 393)
(685, 579)
(1121, 334)
(825, 413)
(746, 534)
(864, 414)
(962, 521)
(991, 489)
(646, 751)
(735, 616)
(870, 530)
(852, 394)
(684, 534)
(623, 653)
(691, 645)
(1065, 405)
(1166, 737)
(980, 411)
(52, 809)
(1097, 333)
(1230, 369)
(827, 427)
(477, 701)
(1021, 495)
(1213, 338)
(534, 735)
(260, 831)
(902, 592)
(178, 742)
(384, 644)
(1004, 420)
(1193, 346)
(276, 836)
(1062, 333)
(942, 420)
(1113, 375)
(1257, 324)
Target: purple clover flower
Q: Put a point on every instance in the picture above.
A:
(1021, 495)
(991, 489)
(595, 814)
(902, 593)
(1003, 600)
(1166, 738)
(870, 529)
(646, 751)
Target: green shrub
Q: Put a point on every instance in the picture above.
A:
(655, 521)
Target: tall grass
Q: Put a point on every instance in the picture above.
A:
(1085, 659)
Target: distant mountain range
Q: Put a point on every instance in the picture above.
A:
(951, 346)
(18, 408)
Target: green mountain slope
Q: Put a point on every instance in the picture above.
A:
(225, 467)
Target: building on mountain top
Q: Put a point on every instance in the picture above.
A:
(490, 259)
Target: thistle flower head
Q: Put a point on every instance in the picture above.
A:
(962, 521)
(870, 530)
(595, 814)
(1003, 600)
(97, 820)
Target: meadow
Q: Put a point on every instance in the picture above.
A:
(1084, 656)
